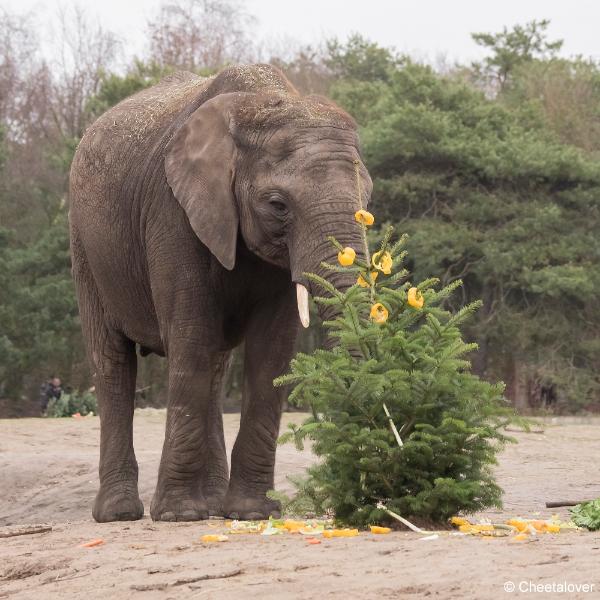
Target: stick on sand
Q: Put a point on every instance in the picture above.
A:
(25, 531)
(565, 503)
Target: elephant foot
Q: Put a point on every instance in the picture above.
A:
(249, 508)
(178, 506)
(215, 505)
(215, 492)
(122, 504)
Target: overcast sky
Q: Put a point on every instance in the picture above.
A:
(423, 28)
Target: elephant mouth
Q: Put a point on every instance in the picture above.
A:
(303, 310)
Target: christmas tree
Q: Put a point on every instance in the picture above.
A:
(397, 418)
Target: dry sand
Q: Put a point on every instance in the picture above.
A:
(48, 475)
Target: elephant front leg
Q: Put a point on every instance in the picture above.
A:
(192, 477)
(269, 347)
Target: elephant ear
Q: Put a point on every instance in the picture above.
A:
(199, 164)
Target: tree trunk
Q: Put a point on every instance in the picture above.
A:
(516, 386)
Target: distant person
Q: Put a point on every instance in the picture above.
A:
(49, 390)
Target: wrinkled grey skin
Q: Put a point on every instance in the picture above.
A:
(196, 206)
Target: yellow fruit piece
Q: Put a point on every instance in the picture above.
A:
(293, 526)
(311, 530)
(364, 283)
(539, 525)
(379, 530)
(328, 533)
(459, 521)
(341, 533)
(364, 217)
(382, 262)
(346, 257)
(553, 528)
(379, 313)
(213, 537)
(345, 532)
(518, 524)
(521, 537)
(415, 298)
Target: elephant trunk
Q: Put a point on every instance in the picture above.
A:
(348, 233)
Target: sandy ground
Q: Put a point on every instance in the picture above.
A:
(48, 475)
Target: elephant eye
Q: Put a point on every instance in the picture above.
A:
(278, 207)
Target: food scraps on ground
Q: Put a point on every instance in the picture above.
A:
(329, 533)
(587, 515)
(213, 537)
(310, 527)
(516, 528)
(379, 530)
(92, 543)
(237, 527)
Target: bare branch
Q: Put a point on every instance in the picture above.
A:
(200, 34)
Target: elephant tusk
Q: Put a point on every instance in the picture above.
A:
(302, 296)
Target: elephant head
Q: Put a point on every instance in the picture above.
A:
(282, 170)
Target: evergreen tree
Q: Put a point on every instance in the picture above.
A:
(396, 415)
(511, 49)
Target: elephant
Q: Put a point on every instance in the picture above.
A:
(197, 206)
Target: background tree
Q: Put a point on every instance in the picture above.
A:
(511, 48)
(200, 35)
(492, 197)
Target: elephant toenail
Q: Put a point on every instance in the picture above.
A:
(168, 516)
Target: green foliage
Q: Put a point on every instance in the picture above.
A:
(308, 501)
(490, 194)
(39, 329)
(587, 515)
(114, 88)
(69, 404)
(414, 365)
(511, 48)
(359, 59)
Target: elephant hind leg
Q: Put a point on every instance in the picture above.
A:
(113, 358)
